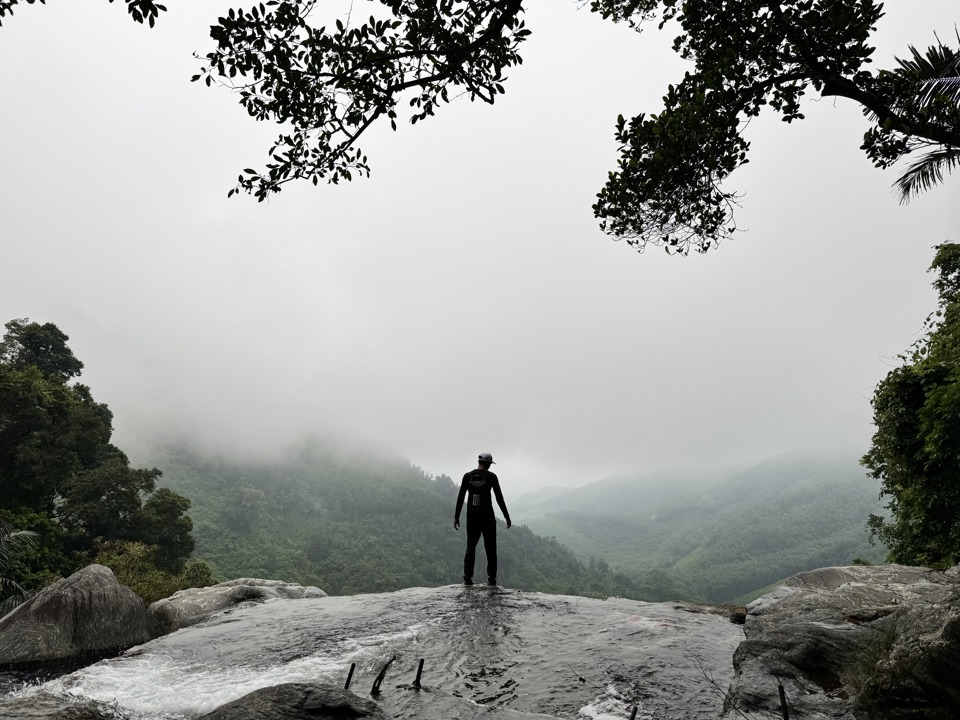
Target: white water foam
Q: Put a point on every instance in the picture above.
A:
(159, 687)
(610, 705)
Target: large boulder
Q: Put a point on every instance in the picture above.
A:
(88, 613)
(854, 642)
(916, 674)
(298, 701)
(188, 607)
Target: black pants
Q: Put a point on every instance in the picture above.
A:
(477, 526)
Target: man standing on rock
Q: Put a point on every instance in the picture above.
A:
(480, 518)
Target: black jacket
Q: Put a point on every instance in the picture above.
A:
(478, 483)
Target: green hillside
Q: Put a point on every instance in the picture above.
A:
(730, 538)
(357, 523)
(609, 495)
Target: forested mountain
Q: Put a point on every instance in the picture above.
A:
(609, 495)
(723, 540)
(68, 495)
(355, 523)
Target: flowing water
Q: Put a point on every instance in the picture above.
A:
(487, 653)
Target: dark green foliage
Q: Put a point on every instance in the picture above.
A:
(328, 85)
(668, 187)
(352, 525)
(44, 347)
(140, 10)
(165, 527)
(42, 562)
(61, 478)
(49, 431)
(915, 451)
(926, 86)
(729, 538)
(104, 501)
(12, 544)
(133, 565)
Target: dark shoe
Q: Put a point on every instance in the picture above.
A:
(467, 581)
(491, 581)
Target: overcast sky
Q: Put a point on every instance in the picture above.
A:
(462, 299)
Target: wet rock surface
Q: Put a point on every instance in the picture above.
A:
(189, 607)
(51, 707)
(854, 642)
(490, 654)
(298, 701)
(88, 613)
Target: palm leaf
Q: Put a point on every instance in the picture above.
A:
(936, 72)
(921, 66)
(11, 543)
(927, 171)
(946, 87)
(14, 601)
(936, 76)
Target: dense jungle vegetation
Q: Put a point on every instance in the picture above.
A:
(915, 451)
(68, 496)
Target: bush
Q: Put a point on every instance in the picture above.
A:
(131, 563)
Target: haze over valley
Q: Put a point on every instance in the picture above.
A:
(462, 298)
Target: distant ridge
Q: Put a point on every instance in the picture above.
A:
(611, 494)
(723, 538)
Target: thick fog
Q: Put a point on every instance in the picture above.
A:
(462, 299)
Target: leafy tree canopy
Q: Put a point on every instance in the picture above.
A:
(42, 346)
(62, 479)
(140, 10)
(330, 84)
(668, 188)
(915, 451)
(325, 86)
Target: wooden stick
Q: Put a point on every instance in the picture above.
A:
(375, 690)
(350, 676)
(783, 702)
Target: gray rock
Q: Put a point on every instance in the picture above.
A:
(298, 701)
(50, 707)
(854, 642)
(917, 675)
(188, 607)
(88, 613)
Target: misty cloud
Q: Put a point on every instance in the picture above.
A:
(462, 299)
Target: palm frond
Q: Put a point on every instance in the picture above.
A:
(936, 72)
(939, 60)
(11, 544)
(920, 65)
(946, 87)
(9, 604)
(927, 171)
